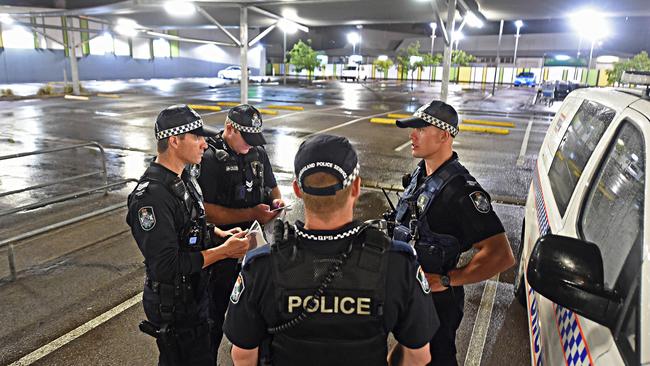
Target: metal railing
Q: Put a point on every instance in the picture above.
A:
(10, 241)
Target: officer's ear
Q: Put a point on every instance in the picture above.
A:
(296, 189)
(356, 187)
(174, 141)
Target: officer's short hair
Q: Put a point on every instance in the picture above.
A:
(163, 145)
(324, 205)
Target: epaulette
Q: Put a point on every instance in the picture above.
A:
(402, 247)
(256, 253)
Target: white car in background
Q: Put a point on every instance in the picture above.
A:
(231, 72)
(584, 260)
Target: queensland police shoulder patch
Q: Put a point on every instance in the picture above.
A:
(147, 218)
(422, 279)
(237, 290)
(480, 201)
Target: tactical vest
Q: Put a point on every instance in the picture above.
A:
(194, 235)
(437, 253)
(243, 178)
(330, 306)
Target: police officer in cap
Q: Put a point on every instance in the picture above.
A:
(239, 187)
(322, 290)
(167, 220)
(444, 212)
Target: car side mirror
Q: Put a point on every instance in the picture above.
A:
(569, 272)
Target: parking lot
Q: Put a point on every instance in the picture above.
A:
(89, 274)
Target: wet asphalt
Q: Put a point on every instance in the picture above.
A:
(69, 276)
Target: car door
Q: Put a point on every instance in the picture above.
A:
(607, 208)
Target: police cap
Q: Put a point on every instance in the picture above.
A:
(436, 113)
(329, 154)
(248, 120)
(179, 119)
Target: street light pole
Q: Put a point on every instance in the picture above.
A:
(591, 53)
(496, 70)
(518, 24)
(284, 58)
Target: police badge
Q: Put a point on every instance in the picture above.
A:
(480, 201)
(423, 199)
(147, 218)
(237, 289)
(256, 122)
(422, 279)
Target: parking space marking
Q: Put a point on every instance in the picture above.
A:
(524, 144)
(482, 323)
(349, 123)
(77, 332)
(309, 111)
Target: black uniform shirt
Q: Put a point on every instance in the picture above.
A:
(156, 217)
(212, 172)
(457, 211)
(408, 310)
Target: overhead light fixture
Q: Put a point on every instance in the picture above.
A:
(433, 25)
(126, 27)
(457, 36)
(607, 59)
(6, 19)
(590, 24)
(179, 8)
(287, 26)
(519, 24)
(562, 57)
(359, 26)
(353, 38)
(382, 58)
(473, 21)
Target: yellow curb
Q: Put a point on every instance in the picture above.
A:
(75, 97)
(204, 107)
(228, 104)
(488, 123)
(399, 115)
(114, 96)
(497, 131)
(286, 107)
(384, 121)
(268, 111)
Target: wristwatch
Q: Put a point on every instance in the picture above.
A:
(445, 280)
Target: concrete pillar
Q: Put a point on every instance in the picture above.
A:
(446, 58)
(74, 67)
(243, 37)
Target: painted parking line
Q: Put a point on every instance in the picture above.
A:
(204, 107)
(286, 107)
(482, 323)
(488, 123)
(77, 332)
(399, 115)
(492, 130)
(383, 121)
(524, 143)
(308, 111)
(349, 123)
(228, 104)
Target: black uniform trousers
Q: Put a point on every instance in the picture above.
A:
(224, 274)
(191, 327)
(449, 306)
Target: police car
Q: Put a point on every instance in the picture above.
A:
(584, 261)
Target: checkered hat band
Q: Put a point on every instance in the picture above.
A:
(437, 122)
(339, 236)
(347, 180)
(241, 128)
(179, 130)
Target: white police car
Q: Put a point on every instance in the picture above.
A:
(584, 268)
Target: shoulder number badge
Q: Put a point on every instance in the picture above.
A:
(147, 218)
(422, 279)
(237, 290)
(480, 201)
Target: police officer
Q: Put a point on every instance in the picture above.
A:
(239, 187)
(444, 212)
(167, 220)
(322, 290)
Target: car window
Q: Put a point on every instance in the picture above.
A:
(580, 139)
(612, 218)
(351, 68)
